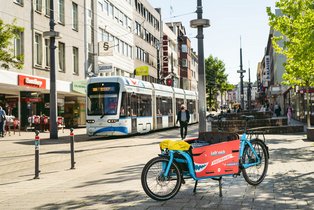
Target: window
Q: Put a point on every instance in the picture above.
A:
(19, 46)
(61, 11)
(184, 48)
(38, 49)
(38, 6)
(100, 6)
(74, 16)
(75, 61)
(47, 8)
(47, 52)
(111, 10)
(184, 63)
(61, 47)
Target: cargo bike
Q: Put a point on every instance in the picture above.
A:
(212, 155)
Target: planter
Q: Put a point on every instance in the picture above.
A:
(310, 134)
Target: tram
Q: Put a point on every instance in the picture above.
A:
(119, 105)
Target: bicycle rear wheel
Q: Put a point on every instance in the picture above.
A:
(254, 175)
(155, 184)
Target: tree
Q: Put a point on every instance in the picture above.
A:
(296, 24)
(216, 79)
(9, 32)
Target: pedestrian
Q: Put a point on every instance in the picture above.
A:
(2, 121)
(277, 109)
(289, 114)
(183, 117)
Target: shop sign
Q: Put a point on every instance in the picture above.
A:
(142, 71)
(267, 67)
(79, 86)
(32, 82)
(34, 100)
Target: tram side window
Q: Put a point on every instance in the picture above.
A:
(169, 106)
(133, 105)
(164, 105)
(191, 106)
(145, 105)
(179, 102)
(123, 111)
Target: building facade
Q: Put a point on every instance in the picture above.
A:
(25, 92)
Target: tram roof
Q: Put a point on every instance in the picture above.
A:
(162, 87)
(137, 82)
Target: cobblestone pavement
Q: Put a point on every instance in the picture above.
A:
(107, 175)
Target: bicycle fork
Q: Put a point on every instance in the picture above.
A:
(244, 141)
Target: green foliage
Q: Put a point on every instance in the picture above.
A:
(216, 79)
(296, 24)
(8, 32)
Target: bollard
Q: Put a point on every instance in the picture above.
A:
(37, 143)
(72, 148)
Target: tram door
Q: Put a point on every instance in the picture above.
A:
(133, 111)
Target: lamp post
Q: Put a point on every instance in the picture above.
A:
(241, 71)
(52, 34)
(249, 92)
(201, 23)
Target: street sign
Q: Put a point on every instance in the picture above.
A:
(105, 48)
(105, 67)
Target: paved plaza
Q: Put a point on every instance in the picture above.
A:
(107, 175)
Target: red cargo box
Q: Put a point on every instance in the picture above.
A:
(217, 159)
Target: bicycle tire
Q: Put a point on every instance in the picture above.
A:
(254, 175)
(155, 190)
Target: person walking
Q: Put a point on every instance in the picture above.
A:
(289, 114)
(277, 109)
(183, 117)
(2, 121)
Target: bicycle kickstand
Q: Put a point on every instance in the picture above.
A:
(220, 187)
(194, 190)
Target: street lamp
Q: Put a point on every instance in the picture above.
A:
(201, 23)
(241, 71)
(52, 34)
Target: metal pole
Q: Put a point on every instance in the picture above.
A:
(249, 92)
(53, 93)
(201, 71)
(241, 81)
(37, 143)
(72, 148)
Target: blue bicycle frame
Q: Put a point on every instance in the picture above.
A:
(187, 159)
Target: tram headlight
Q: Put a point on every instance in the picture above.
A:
(113, 120)
(90, 121)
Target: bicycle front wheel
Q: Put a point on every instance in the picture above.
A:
(155, 184)
(255, 174)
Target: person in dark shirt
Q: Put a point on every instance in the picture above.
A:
(183, 117)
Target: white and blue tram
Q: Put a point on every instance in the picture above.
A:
(121, 106)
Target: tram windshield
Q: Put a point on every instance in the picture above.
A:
(102, 98)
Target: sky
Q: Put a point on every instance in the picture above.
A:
(230, 21)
